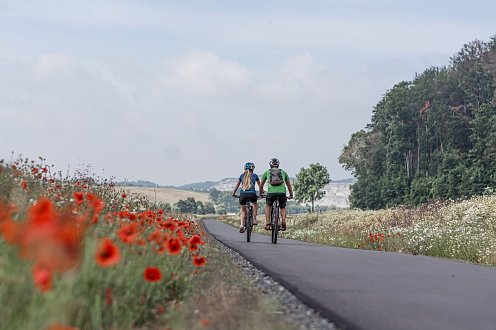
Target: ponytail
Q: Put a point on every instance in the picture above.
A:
(246, 180)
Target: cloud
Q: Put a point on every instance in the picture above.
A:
(199, 111)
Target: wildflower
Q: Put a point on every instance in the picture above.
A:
(42, 278)
(199, 261)
(124, 195)
(42, 212)
(160, 309)
(128, 233)
(96, 203)
(78, 198)
(58, 326)
(108, 254)
(174, 245)
(24, 185)
(205, 322)
(152, 274)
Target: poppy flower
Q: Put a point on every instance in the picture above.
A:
(160, 309)
(58, 326)
(128, 233)
(124, 195)
(108, 254)
(96, 203)
(42, 278)
(152, 274)
(205, 322)
(199, 261)
(174, 245)
(24, 185)
(42, 212)
(78, 198)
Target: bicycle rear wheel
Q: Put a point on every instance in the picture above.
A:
(249, 222)
(275, 222)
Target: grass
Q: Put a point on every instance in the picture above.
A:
(57, 273)
(462, 230)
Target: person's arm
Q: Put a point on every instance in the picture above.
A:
(290, 188)
(261, 185)
(236, 188)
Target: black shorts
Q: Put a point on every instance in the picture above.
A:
(281, 197)
(243, 198)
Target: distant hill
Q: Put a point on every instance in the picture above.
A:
(337, 192)
(139, 183)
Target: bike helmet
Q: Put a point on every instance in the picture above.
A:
(249, 166)
(274, 162)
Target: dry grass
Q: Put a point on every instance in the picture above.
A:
(224, 298)
(167, 195)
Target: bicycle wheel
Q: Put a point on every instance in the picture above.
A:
(275, 222)
(248, 222)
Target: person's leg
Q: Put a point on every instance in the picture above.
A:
(267, 214)
(255, 210)
(243, 213)
(282, 207)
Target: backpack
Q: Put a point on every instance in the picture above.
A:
(275, 178)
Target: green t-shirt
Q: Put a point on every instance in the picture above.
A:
(275, 189)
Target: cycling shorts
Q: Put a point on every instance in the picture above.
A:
(243, 198)
(281, 197)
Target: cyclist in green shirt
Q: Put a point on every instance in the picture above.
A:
(277, 179)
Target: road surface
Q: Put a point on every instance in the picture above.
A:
(361, 289)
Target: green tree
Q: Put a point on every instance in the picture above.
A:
(309, 182)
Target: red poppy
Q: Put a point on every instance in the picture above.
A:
(152, 274)
(160, 309)
(60, 327)
(96, 203)
(205, 322)
(124, 195)
(42, 212)
(199, 261)
(174, 245)
(24, 185)
(108, 254)
(128, 233)
(42, 278)
(78, 198)
(169, 224)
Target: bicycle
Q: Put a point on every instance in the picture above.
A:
(275, 212)
(248, 221)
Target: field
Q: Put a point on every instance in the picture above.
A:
(463, 230)
(76, 253)
(167, 195)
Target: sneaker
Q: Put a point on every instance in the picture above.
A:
(242, 229)
(255, 222)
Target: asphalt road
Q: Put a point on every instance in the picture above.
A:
(360, 289)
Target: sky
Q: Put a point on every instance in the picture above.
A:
(177, 92)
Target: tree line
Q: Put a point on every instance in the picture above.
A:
(430, 138)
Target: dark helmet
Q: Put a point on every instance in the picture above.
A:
(274, 162)
(249, 166)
